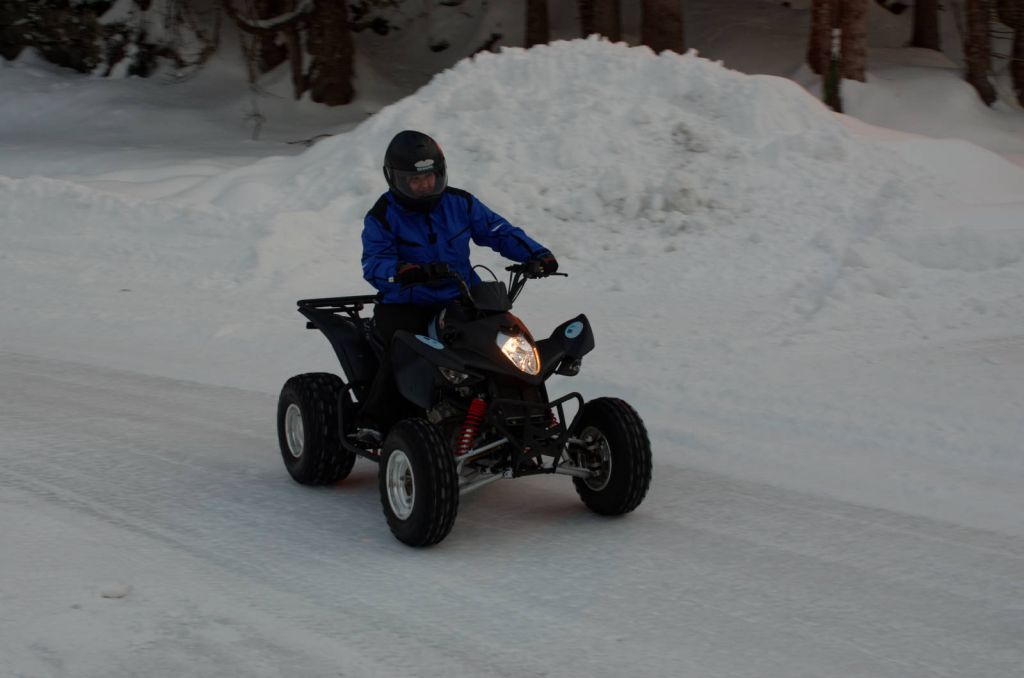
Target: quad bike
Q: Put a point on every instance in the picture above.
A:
(479, 410)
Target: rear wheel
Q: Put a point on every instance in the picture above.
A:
(419, 488)
(307, 430)
(617, 449)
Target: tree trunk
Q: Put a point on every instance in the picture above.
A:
(295, 59)
(926, 25)
(1005, 11)
(977, 50)
(819, 45)
(608, 19)
(600, 16)
(853, 21)
(538, 31)
(1017, 67)
(586, 12)
(330, 45)
(663, 25)
(831, 84)
(1011, 13)
(269, 54)
(1015, 19)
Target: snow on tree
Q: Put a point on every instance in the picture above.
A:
(116, 39)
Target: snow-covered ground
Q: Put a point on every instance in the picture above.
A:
(819, 318)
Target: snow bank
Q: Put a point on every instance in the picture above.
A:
(744, 194)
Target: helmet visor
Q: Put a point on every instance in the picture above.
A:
(417, 185)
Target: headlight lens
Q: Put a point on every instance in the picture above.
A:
(520, 351)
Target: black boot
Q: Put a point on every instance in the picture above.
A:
(368, 431)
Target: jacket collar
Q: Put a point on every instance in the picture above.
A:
(393, 199)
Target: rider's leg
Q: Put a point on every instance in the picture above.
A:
(384, 404)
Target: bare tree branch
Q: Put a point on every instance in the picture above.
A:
(269, 26)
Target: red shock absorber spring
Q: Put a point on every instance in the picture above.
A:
(474, 417)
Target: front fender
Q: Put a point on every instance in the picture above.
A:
(416, 358)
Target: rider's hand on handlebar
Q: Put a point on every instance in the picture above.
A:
(439, 271)
(541, 265)
(431, 274)
(411, 274)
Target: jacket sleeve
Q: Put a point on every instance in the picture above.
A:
(380, 255)
(492, 230)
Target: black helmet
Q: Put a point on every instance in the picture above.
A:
(413, 154)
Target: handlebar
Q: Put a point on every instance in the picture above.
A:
(519, 274)
(438, 272)
(523, 269)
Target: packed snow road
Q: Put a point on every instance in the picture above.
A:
(187, 551)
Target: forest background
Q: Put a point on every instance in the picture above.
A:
(317, 40)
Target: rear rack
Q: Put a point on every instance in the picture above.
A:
(350, 306)
(351, 336)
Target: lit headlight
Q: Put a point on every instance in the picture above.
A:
(521, 352)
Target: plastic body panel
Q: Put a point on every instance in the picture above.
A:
(350, 335)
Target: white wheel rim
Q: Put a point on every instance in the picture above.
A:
(598, 458)
(294, 432)
(401, 484)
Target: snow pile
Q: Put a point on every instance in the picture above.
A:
(582, 131)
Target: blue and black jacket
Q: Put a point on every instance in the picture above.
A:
(393, 234)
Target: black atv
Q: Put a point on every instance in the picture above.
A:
(475, 385)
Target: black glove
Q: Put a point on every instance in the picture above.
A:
(438, 271)
(411, 274)
(541, 264)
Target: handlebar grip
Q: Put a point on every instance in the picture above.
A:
(524, 270)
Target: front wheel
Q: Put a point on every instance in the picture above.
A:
(419, 487)
(616, 447)
(307, 430)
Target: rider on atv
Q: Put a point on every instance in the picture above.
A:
(419, 224)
